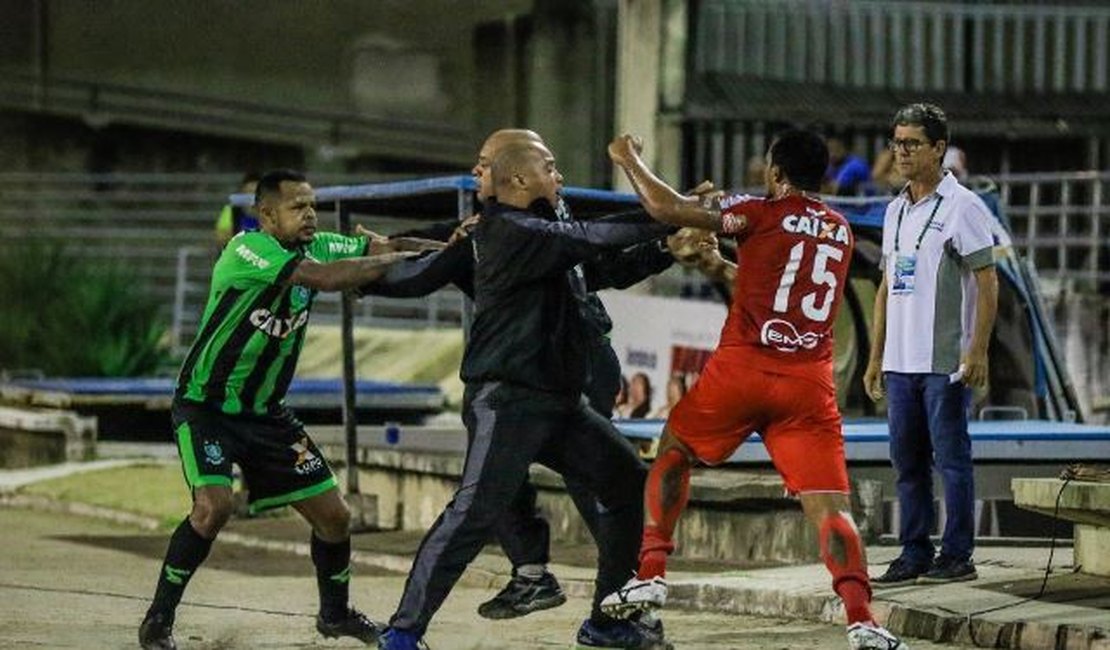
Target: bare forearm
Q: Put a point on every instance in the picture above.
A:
(986, 308)
(344, 274)
(664, 204)
(878, 325)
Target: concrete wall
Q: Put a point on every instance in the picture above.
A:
(732, 516)
(41, 143)
(304, 54)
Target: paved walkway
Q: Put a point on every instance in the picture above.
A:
(995, 611)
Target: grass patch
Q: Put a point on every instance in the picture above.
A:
(156, 490)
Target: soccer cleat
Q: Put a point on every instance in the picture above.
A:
(865, 636)
(394, 639)
(620, 634)
(156, 633)
(524, 596)
(353, 624)
(636, 596)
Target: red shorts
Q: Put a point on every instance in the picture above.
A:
(797, 418)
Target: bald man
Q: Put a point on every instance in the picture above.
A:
(525, 370)
(522, 531)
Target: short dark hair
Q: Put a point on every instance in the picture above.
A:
(271, 181)
(802, 156)
(928, 116)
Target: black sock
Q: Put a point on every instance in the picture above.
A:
(333, 576)
(186, 552)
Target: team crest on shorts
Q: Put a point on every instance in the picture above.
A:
(213, 454)
(307, 462)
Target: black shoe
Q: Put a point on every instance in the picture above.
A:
(353, 624)
(617, 633)
(899, 573)
(156, 632)
(524, 596)
(946, 569)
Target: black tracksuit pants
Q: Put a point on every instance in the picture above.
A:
(511, 427)
(522, 532)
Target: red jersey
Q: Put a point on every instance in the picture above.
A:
(793, 259)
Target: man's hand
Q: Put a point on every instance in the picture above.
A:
(688, 245)
(873, 381)
(975, 368)
(463, 229)
(624, 148)
(378, 243)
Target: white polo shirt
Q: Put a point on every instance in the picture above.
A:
(948, 236)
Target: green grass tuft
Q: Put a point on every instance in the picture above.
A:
(156, 490)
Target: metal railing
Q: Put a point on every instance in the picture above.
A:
(160, 227)
(1061, 221)
(939, 46)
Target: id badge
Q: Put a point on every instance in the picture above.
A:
(905, 267)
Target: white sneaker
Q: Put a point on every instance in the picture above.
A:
(635, 596)
(863, 636)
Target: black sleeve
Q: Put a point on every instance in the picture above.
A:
(437, 231)
(620, 270)
(427, 273)
(558, 245)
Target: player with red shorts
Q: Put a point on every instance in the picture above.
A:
(772, 371)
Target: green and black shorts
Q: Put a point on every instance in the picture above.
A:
(280, 462)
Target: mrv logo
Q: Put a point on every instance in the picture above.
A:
(275, 326)
(783, 336)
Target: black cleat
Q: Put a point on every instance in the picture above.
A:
(156, 633)
(353, 624)
(524, 596)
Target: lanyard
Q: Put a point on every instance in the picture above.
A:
(925, 229)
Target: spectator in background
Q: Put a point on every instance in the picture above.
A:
(955, 161)
(234, 219)
(848, 174)
(676, 388)
(639, 396)
(753, 177)
(885, 179)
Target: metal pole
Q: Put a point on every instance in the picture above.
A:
(347, 338)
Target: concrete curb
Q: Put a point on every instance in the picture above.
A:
(708, 594)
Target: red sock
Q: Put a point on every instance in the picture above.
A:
(653, 553)
(842, 552)
(665, 496)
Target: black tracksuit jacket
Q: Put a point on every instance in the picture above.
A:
(530, 323)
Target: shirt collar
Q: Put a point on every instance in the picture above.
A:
(945, 188)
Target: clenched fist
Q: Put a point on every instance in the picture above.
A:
(624, 148)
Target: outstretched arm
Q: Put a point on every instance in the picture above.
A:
(343, 274)
(426, 273)
(660, 200)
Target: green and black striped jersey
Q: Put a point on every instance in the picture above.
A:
(253, 325)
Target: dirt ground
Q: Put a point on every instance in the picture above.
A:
(68, 582)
